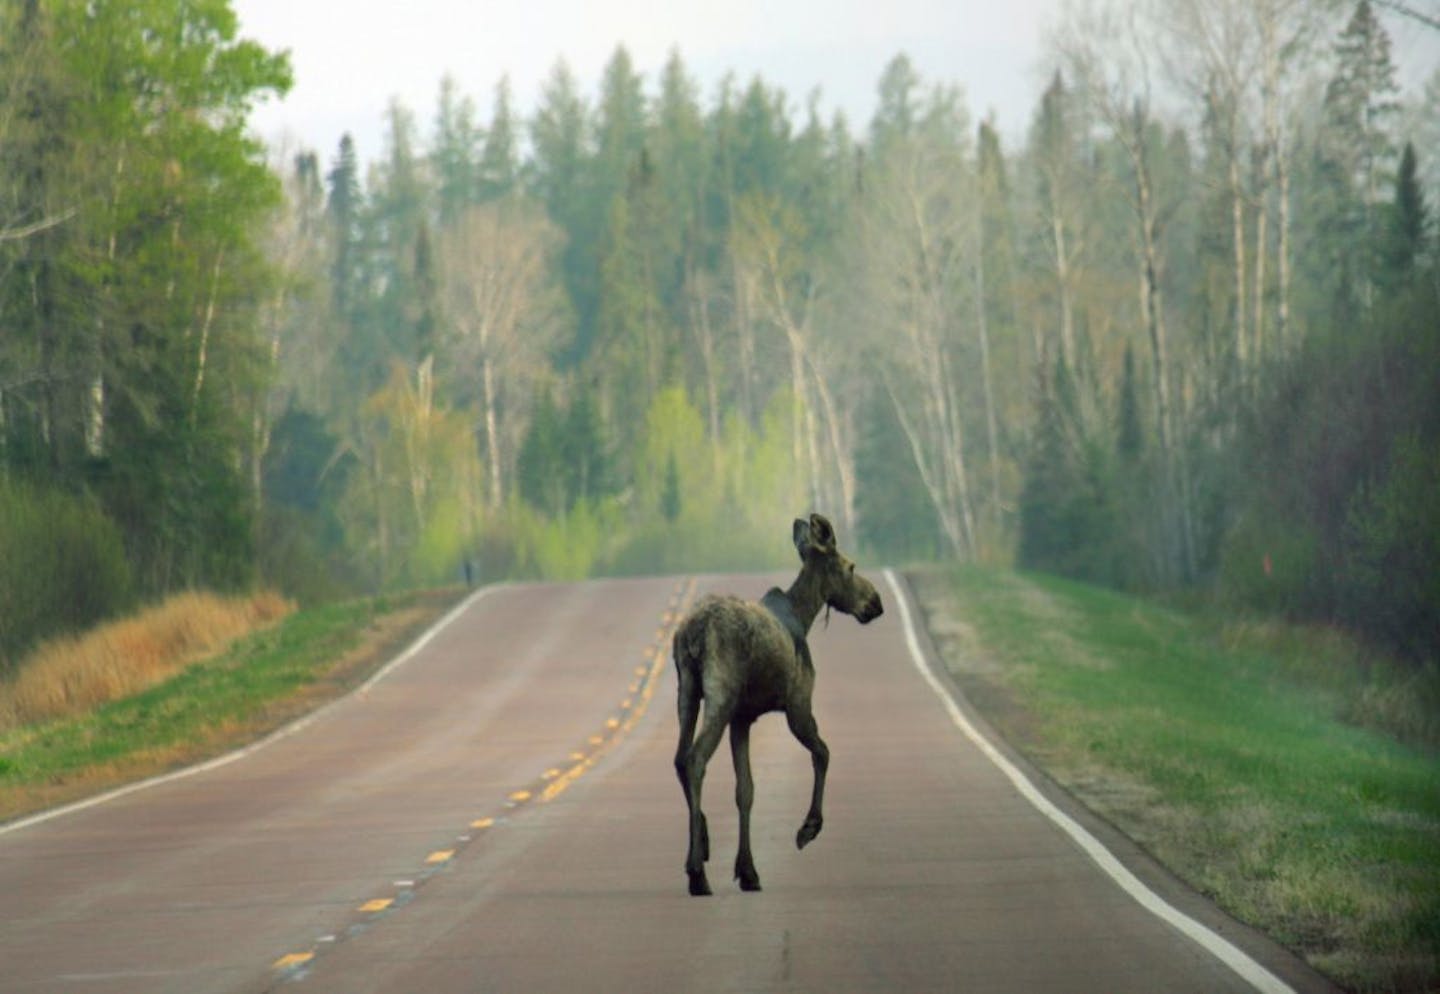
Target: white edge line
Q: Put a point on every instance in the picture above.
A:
(283, 732)
(1251, 971)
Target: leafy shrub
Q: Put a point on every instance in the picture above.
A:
(62, 566)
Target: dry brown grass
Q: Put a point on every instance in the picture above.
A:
(73, 674)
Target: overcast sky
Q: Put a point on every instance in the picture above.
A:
(351, 59)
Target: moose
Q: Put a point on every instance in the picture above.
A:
(745, 659)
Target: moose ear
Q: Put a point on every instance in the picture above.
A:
(822, 535)
(800, 535)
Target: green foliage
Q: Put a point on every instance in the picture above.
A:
(571, 545)
(650, 334)
(1406, 230)
(1068, 519)
(1236, 751)
(129, 323)
(62, 567)
(1392, 542)
(1337, 491)
(300, 540)
(891, 505)
(565, 457)
(412, 495)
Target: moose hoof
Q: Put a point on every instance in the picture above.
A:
(749, 879)
(699, 886)
(807, 832)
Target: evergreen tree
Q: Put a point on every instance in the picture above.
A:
(1360, 101)
(540, 469)
(425, 305)
(586, 451)
(762, 141)
(499, 161)
(1357, 152)
(397, 215)
(345, 205)
(133, 300)
(562, 151)
(619, 127)
(454, 152)
(896, 116)
(1408, 221)
(677, 154)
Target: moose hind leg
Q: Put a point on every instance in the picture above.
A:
(688, 710)
(802, 726)
(700, 753)
(744, 800)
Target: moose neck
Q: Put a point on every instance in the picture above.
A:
(805, 596)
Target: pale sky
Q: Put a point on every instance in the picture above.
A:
(351, 59)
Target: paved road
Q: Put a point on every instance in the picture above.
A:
(499, 813)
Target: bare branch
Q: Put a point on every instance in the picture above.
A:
(1404, 9)
(44, 224)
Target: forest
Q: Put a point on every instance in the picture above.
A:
(1181, 335)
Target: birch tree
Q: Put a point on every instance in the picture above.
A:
(1060, 185)
(771, 265)
(917, 240)
(1104, 49)
(502, 311)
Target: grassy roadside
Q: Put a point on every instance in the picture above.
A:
(1297, 788)
(261, 682)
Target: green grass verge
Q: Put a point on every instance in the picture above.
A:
(1260, 762)
(263, 681)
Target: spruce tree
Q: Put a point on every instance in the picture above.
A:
(1357, 151)
(454, 152)
(1406, 229)
(344, 206)
(499, 160)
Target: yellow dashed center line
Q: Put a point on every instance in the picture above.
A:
(641, 691)
(635, 710)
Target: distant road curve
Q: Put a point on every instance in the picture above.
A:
(496, 811)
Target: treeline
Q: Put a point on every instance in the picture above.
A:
(132, 271)
(642, 327)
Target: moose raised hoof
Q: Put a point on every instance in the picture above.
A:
(743, 660)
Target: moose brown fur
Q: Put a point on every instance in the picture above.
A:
(744, 659)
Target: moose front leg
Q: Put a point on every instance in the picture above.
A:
(802, 726)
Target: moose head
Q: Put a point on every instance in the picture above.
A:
(834, 574)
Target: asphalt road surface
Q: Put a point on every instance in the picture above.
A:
(497, 811)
